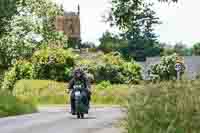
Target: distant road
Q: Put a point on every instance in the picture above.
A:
(58, 120)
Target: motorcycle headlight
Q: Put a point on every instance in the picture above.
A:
(77, 93)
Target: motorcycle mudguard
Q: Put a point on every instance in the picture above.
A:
(81, 105)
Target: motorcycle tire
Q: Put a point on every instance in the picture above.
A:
(82, 115)
(78, 115)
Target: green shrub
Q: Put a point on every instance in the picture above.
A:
(11, 105)
(108, 72)
(165, 70)
(20, 70)
(53, 64)
(103, 85)
(168, 107)
(111, 67)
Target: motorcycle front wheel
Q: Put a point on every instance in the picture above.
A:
(80, 115)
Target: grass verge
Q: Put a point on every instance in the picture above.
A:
(11, 106)
(168, 107)
(51, 92)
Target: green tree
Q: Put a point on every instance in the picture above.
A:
(180, 48)
(167, 49)
(110, 42)
(196, 49)
(168, 0)
(8, 8)
(32, 26)
(136, 19)
(88, 45)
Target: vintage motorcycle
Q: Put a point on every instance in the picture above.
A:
(81, 101)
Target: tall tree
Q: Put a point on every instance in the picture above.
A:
(168, 0)
(136, 19)
(182, 49)
(196, 49)
(8, 8)
(31, 26)
(110, 42)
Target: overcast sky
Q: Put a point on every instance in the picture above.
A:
(180, 22)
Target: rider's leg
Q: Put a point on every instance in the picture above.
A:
(72, 104)
(89, 98)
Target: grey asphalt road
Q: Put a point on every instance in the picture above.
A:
(58, 120)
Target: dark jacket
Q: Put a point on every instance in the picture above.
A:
(82, 79)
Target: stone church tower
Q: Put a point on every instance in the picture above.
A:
(70, 24)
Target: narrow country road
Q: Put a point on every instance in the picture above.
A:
(58, 120)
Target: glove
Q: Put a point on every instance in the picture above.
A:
(68, 91)
(90, 91)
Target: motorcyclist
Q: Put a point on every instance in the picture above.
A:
(79, 77)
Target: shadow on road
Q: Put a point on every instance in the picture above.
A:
(86, 118)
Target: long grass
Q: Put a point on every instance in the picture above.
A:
(11, 105)
(51, 92)
(168, 107)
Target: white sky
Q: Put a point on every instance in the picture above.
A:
(180, 22)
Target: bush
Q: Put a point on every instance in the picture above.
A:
(168, 107)
(103, 85)
(20, 70)
(165, 70)
(111, 67)
(53, 64)
(11, 105)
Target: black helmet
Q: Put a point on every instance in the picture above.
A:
(78, 73)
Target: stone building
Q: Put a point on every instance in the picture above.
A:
(70, 24)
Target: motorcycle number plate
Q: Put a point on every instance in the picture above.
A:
(78, 93)
(77, 86)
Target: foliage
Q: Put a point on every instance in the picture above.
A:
(31, 27)
(42, 91)
(7, 10)
(165, 70)
(54, 64)
(119, 70)
(110, 43)
(12, 48)
(103, 85)
(197, 76)
(110, 94)
(58, 64)
(136, 19)
(11, 105)
(166, 107)
(167, 49)
(179, 48)
(21, 70)
(112, 67)
(196, 49)
(51, 92)
(182, 49)
(168, 0)
(47, 11)
(88, 45)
